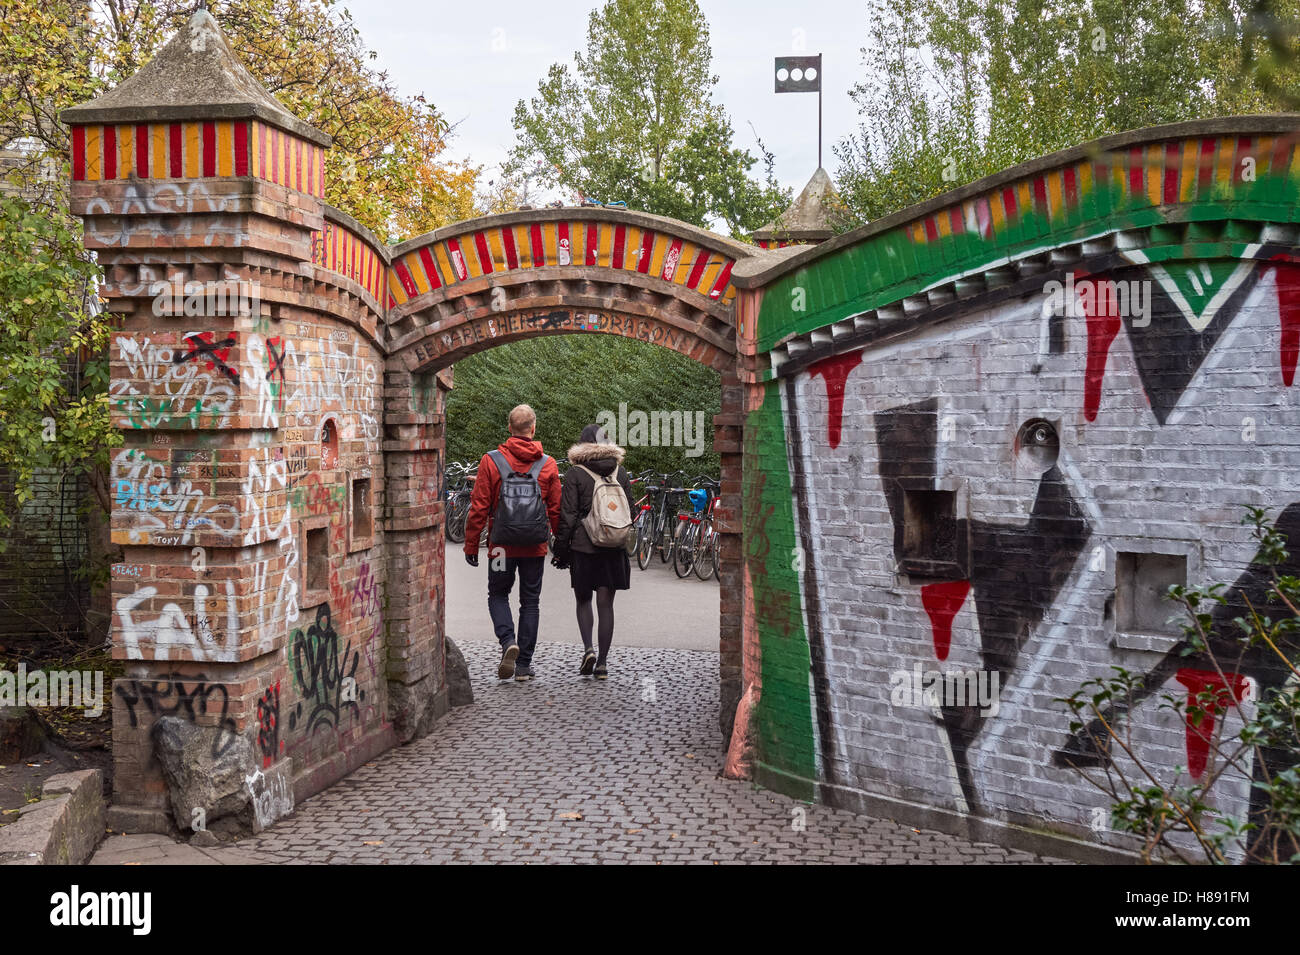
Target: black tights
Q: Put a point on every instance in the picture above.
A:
(605, 608)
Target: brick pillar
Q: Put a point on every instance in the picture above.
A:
(251, 577)
(728, 441)
(414, 443)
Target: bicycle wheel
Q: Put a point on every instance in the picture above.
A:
(667, 537)
(684, 553)
(715, 549)
(644, 538)
(704, 551)
(456, 517)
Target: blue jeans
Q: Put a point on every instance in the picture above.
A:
(500, 583)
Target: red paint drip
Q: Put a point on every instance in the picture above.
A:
(1288, 313)
(941, 602)
(1199, 734)
(835, 371)
(1102, 330)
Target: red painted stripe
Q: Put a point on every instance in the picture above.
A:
(701, 260)
(241, 149)
(175, 151)
(535, 241)
(1169, 189)
(508, 240)
(297, 162)
(457, 260)
(110, 152)
(1009, 204)
(1071, 187)
(142, 150)
(1206, 173)
(1135, 179)
(1040, 195)
(720, 285)
(404, 276)
(431, 270)
(620, 237)
(209, 149)
(593, 243)
(647, 246)
(78, 153)
(956, 220)
(671, 259)
(320, 174)
(931, 229)
(1245, 147)
(563, 247)
(484, 254)
(334, 248)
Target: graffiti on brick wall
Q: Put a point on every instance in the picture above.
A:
(275, 601)
(1189, 670)
(992, 552)
(189, 697)
(269, 743)
(271, 795)
(325, 675)
(202, 627)
(190, 385)
(266, 373)
(153, 495)
(340, 377)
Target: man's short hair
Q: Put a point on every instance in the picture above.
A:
(522, 419)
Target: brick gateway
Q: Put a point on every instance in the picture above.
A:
(934, 457)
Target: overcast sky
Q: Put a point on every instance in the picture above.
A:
(475, 61)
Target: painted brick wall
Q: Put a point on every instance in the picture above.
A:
(1166, 431)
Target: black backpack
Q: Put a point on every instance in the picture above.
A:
(520, 517)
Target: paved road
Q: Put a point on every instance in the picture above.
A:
(565, 769)
(658, 611)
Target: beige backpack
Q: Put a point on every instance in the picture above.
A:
(609, 522)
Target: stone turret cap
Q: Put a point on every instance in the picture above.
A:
(196, 75)
(807, 219)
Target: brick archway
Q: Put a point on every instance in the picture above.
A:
(485, 282)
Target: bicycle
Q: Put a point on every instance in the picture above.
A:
(654, 529)
(460, 488)
(691, 526)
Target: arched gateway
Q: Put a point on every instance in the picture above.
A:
(973, 437)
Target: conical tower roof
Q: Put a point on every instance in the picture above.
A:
(808, 218)
(196, 75)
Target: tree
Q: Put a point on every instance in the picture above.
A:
(387, 166)
(634, 121)
(955, 90)
(54, 405)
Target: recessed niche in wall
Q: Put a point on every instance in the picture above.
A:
(1141, 581)
(329, 445)
(361, 529)
(317, 559)
(934, 540)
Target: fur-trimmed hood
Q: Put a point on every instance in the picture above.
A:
(589, 451)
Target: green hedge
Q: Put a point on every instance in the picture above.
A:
(569, 380)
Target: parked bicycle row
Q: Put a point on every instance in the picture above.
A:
(674, 517)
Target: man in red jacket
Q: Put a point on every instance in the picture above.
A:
(520, 452)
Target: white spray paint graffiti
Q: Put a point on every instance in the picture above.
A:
(267, 476)
(171, 629)
(271, 795)
(158, 390)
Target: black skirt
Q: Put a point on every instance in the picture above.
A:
(608, 567)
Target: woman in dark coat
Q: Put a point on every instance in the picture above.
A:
(598, 571)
